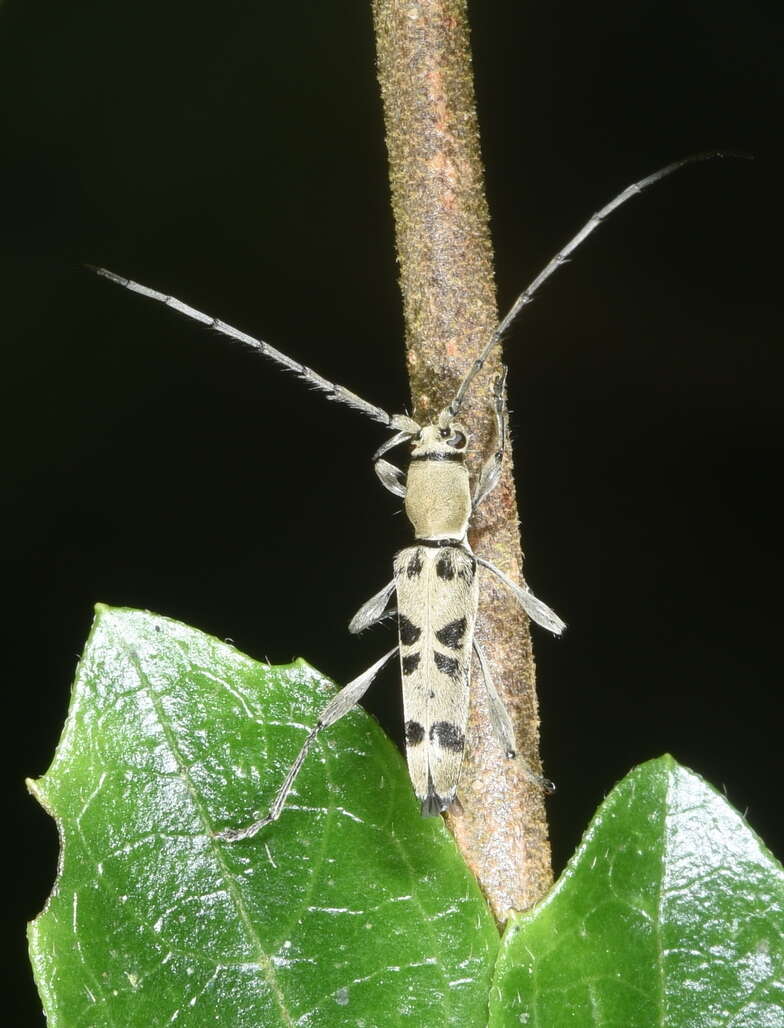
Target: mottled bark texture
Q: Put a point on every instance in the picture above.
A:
(446, 276)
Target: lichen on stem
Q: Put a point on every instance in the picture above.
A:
(446, 277)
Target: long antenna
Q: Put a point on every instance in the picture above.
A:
(333, 391)
(561, 257)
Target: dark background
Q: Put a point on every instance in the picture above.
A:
(233, 155)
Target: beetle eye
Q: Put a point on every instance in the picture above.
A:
(457, 441)
(444, 432)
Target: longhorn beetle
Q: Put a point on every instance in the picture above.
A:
(435, 579)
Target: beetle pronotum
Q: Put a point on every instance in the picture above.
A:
(435, 579)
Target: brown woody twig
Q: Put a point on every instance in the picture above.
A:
(446, 276)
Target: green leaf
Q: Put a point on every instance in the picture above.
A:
(350, 910)
(670, 913)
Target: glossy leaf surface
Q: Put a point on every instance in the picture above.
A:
(670, 913)
(350, 910)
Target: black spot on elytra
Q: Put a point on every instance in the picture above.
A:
(415, 733)
(449, 665)
(445, 568)
(409, 633)
(451, 635)
(467, 571)
(410, 663)
(414, 565)
(447, 735)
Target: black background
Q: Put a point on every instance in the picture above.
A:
(233, 155)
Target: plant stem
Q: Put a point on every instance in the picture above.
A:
(446, 276)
